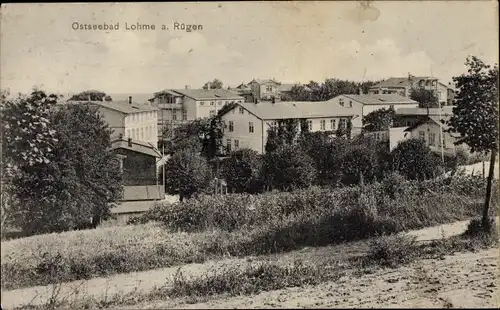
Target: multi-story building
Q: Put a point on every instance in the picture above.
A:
(403, 86)
(177, 106)
(265, 89)
(247, 124)
(364, 104)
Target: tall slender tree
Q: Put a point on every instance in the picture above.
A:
(475, 116)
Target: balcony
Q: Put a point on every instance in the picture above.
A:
(170, 106)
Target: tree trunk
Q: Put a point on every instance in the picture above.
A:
(485, 220)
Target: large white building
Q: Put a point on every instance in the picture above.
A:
(177, 106)
(364, 104)
(247, 123)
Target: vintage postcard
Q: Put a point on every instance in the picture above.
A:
(249, 154)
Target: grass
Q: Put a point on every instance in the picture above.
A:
(213, 227)
(254, 278)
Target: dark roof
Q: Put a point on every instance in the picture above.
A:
(399, 81)
(167, 92)
(375, 99)
(296, 109)
(207, 94)
(137, 146)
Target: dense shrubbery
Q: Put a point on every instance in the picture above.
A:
(212, 226)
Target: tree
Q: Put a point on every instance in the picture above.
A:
(74, 179)
(379, 120)
(475, 116)
(426, 98)
(90, 95)
(215, 84)
(413, 159)
(273, 141)
(186, 174)
(242, 171)
(287, 168)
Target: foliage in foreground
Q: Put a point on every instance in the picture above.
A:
(236, 225)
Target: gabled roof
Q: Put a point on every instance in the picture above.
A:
(120, 106)
(137, 146)
(207, 94)
(375, 99)
(296, 110)
(432, 119)
(264, 81)
(399, 81)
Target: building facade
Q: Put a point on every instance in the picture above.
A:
(178, 106)
(130, 120)
(265, 89)
(403, 87)
(247, 124)
(362, 105)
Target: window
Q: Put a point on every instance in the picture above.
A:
(343, 123)
(250, 127)
(332, 124)
(228, 145)
(212, 113)
(219, 102)
(341, 101)
(242, 111)
(202, 102)
(174, 115)
(236, 144)
(322, 124)
(269, 88)
(391, 107)
(421, 135)
(432, 139)
(211, 103)
(184, 115)
(231, 126)
(274, 124)
(310, 125)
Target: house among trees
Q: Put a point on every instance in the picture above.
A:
(403, 86)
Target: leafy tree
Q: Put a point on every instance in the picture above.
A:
(359, 162)
(297, 93)
(380, 120)
(71, 178)
(215, 84)
(475, 116)
(414, 160)
(242, 171)
(92, 95)
(285, 133)
(287, 168)
(426, 98)
(273, 141)
(201, 135)
(186, 173)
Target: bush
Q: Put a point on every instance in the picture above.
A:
(288, 168)
(392, 251)
(358, 162)
(242, 171)
(186, 174)
(413, 159)
(475, 228)
(238, 225)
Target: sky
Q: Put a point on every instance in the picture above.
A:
(288, 41)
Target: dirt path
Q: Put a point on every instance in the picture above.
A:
(147, 280)
(461, 280)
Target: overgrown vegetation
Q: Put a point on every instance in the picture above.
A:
(239, 225)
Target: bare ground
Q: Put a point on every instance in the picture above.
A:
(143, 282)
(457, 281)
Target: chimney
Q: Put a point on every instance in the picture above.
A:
(130, 142)
(186, 86)
(209, 85)
(129, 99)
(273, 100)
(89, 98)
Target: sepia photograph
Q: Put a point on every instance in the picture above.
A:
(249, 154)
